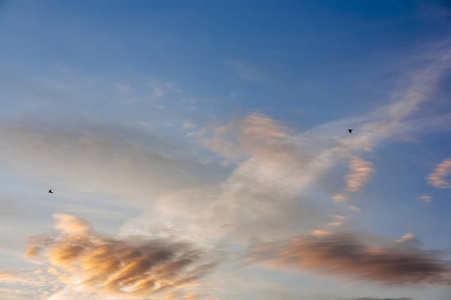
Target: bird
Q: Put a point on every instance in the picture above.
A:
(350, 130)
(50, 191)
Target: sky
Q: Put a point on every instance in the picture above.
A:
(199, 150)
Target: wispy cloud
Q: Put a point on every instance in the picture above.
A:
(390, 121)
(161, 88)
(425, 199)
(25, 284)
(249, 71)
(438, 177)
(102, 159)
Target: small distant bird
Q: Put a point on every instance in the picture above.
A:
(50, 191)
(350, 130)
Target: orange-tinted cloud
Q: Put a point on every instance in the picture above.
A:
(345, 254)
(136, 267)
(340, 198)
(71, 224)
(437, 178)
(360, 174)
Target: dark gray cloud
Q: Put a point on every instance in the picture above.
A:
(345, 254)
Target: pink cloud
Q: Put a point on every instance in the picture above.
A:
(437, 178)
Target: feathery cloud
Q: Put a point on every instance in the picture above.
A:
(426, 199)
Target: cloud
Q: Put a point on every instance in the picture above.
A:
(269, 183)
(161, 88)
(255, 135)
(268, 186)
(340, 198)
(437, 178)
(270, 156)
(11, 277)
(339, 220)
(249, 71)
(122, 88)
(124, 163)
(406, 238)
(393, 121)
(266, 190)
(360, 174)
(24, 284)
(354, 208)
(426, 199)
(355, 256)
(71, 224)
(135, 267)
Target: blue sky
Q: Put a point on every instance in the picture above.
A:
(199, 150)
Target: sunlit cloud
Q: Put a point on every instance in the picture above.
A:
(339, 198)
(135, 267)
(354, 208)
(360, 174)
(406, 238)
(17, 284)
(339, 220)
(438, 177)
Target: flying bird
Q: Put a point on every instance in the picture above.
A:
(350, 130)
(50, 191)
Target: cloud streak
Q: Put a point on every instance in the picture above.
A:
(345, 254)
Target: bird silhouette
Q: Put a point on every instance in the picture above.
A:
(350, 130)
(50, 191)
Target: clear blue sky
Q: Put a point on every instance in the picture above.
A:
(199, 150)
